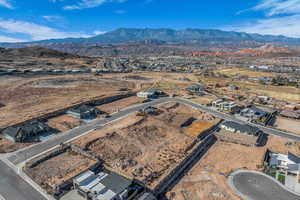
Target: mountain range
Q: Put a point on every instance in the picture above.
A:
(166, 41)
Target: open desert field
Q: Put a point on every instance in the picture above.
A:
(247, 88)
(29, 97)
(172, 83)
(250, 88)
(145, 147)
(243, 72)
(170, 76)
(290, 94)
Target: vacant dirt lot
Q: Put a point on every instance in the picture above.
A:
(203, 100)
(199, 126)
(248, 140)
(288, 125)
(7, 146)
(208, 178)
(59, 169)
(144, 147)
(282, 145)
(63, 122)
(120, 104)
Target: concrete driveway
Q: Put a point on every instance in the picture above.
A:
(251, 185)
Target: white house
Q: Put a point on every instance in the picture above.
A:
(282, 161)
(289, 165)
(151, 93)
(145, 94)
(225, 105)
(102, 186)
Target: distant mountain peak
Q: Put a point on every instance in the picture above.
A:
(122, 35)
(167, 39)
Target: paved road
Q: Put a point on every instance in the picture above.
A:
(25, 154)
(257, 186)
(13, 187)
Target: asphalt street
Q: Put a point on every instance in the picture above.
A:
(255, 186)
(25, 154)
(9, 179)
(13, 187)
(32, 151)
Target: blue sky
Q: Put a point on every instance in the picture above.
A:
(27, 20)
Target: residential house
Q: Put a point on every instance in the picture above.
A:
(240, 128)
(156, 92)
(146, 94)
(105, 185)
(150, 110)
(266, 80)
(289, 165)
(196, 89)
(282, 161)
(242, 134)
(226, 105)
(26, 132)
(261, 67)
(84, 112)
(233, 87)
(292, 179)
(151, 93)
(261, 115)
(263, 99)
(253, 113)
